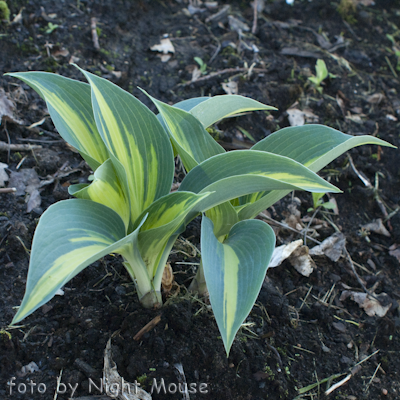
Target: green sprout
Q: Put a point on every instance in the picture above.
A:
(51, 27)
(318, 202)
(202, 65)
(321, 74)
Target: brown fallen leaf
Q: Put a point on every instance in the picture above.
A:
(394, 250)
(370, 304)
(165, 47)
(114, 384)
(332, 247)
(377, 226)
(7, 109)
(167, 278)
(301, 261)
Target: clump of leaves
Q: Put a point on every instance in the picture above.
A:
(128, 208)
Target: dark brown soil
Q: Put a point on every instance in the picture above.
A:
(295, 336)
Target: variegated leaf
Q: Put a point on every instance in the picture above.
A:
(315, 146)
(192, 142)
(105, 189)
(69, 105)
(165, 217)
(139, 146)
(71, 235)
(234, 271)
(235, 174)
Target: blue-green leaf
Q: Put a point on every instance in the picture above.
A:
(139, 146)
(71, 235)
(234, 271)
(69, 105)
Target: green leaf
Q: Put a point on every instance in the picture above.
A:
(105, 189)
(314, 146)
(165, 217)
(69, 105)
(223, 217)
(71, 235)
(140, 148)
(188, 104)
(234, 271)
(237, 173)
(214, 109)
(193, 143)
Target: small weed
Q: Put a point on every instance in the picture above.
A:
(51, 27)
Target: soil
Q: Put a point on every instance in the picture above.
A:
(299, 333)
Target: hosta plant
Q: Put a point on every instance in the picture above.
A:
(128, 208)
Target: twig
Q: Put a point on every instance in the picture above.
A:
(309, 224)
(351, 31)
(368, 184)
(264, 216)
(148, 327)
(372, 378)
(338, 384)
(275, 351)
(95, 38)
(8, 190)
(18, 147)
(214, 37)
(221, 72)
(9, 142)
(255, 6)
(40, 140)
(357, 276)
(391, 67)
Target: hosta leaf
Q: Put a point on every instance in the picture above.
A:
(219, 107)
(193, 143)
(223, 217)
(165, 217)
(188, 104)
(235, 174)
(69, 105)
(234, 271)
(105, 189)
(315, 146)
(136, 141)
(71, 235)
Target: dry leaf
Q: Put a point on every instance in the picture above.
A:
(375, 98)
(196, 74)
(7, 109)
(231, 87)
(296, 117)
(391, 117)
(115, 385)
(3, 174)
(28, 369)
(394, 250)
(301, 261)
(281, 253)
(332, 247)
(237, 25)
(26, 181)
(164, 47)
(167, 278)
(370, 305)
(376, 226)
